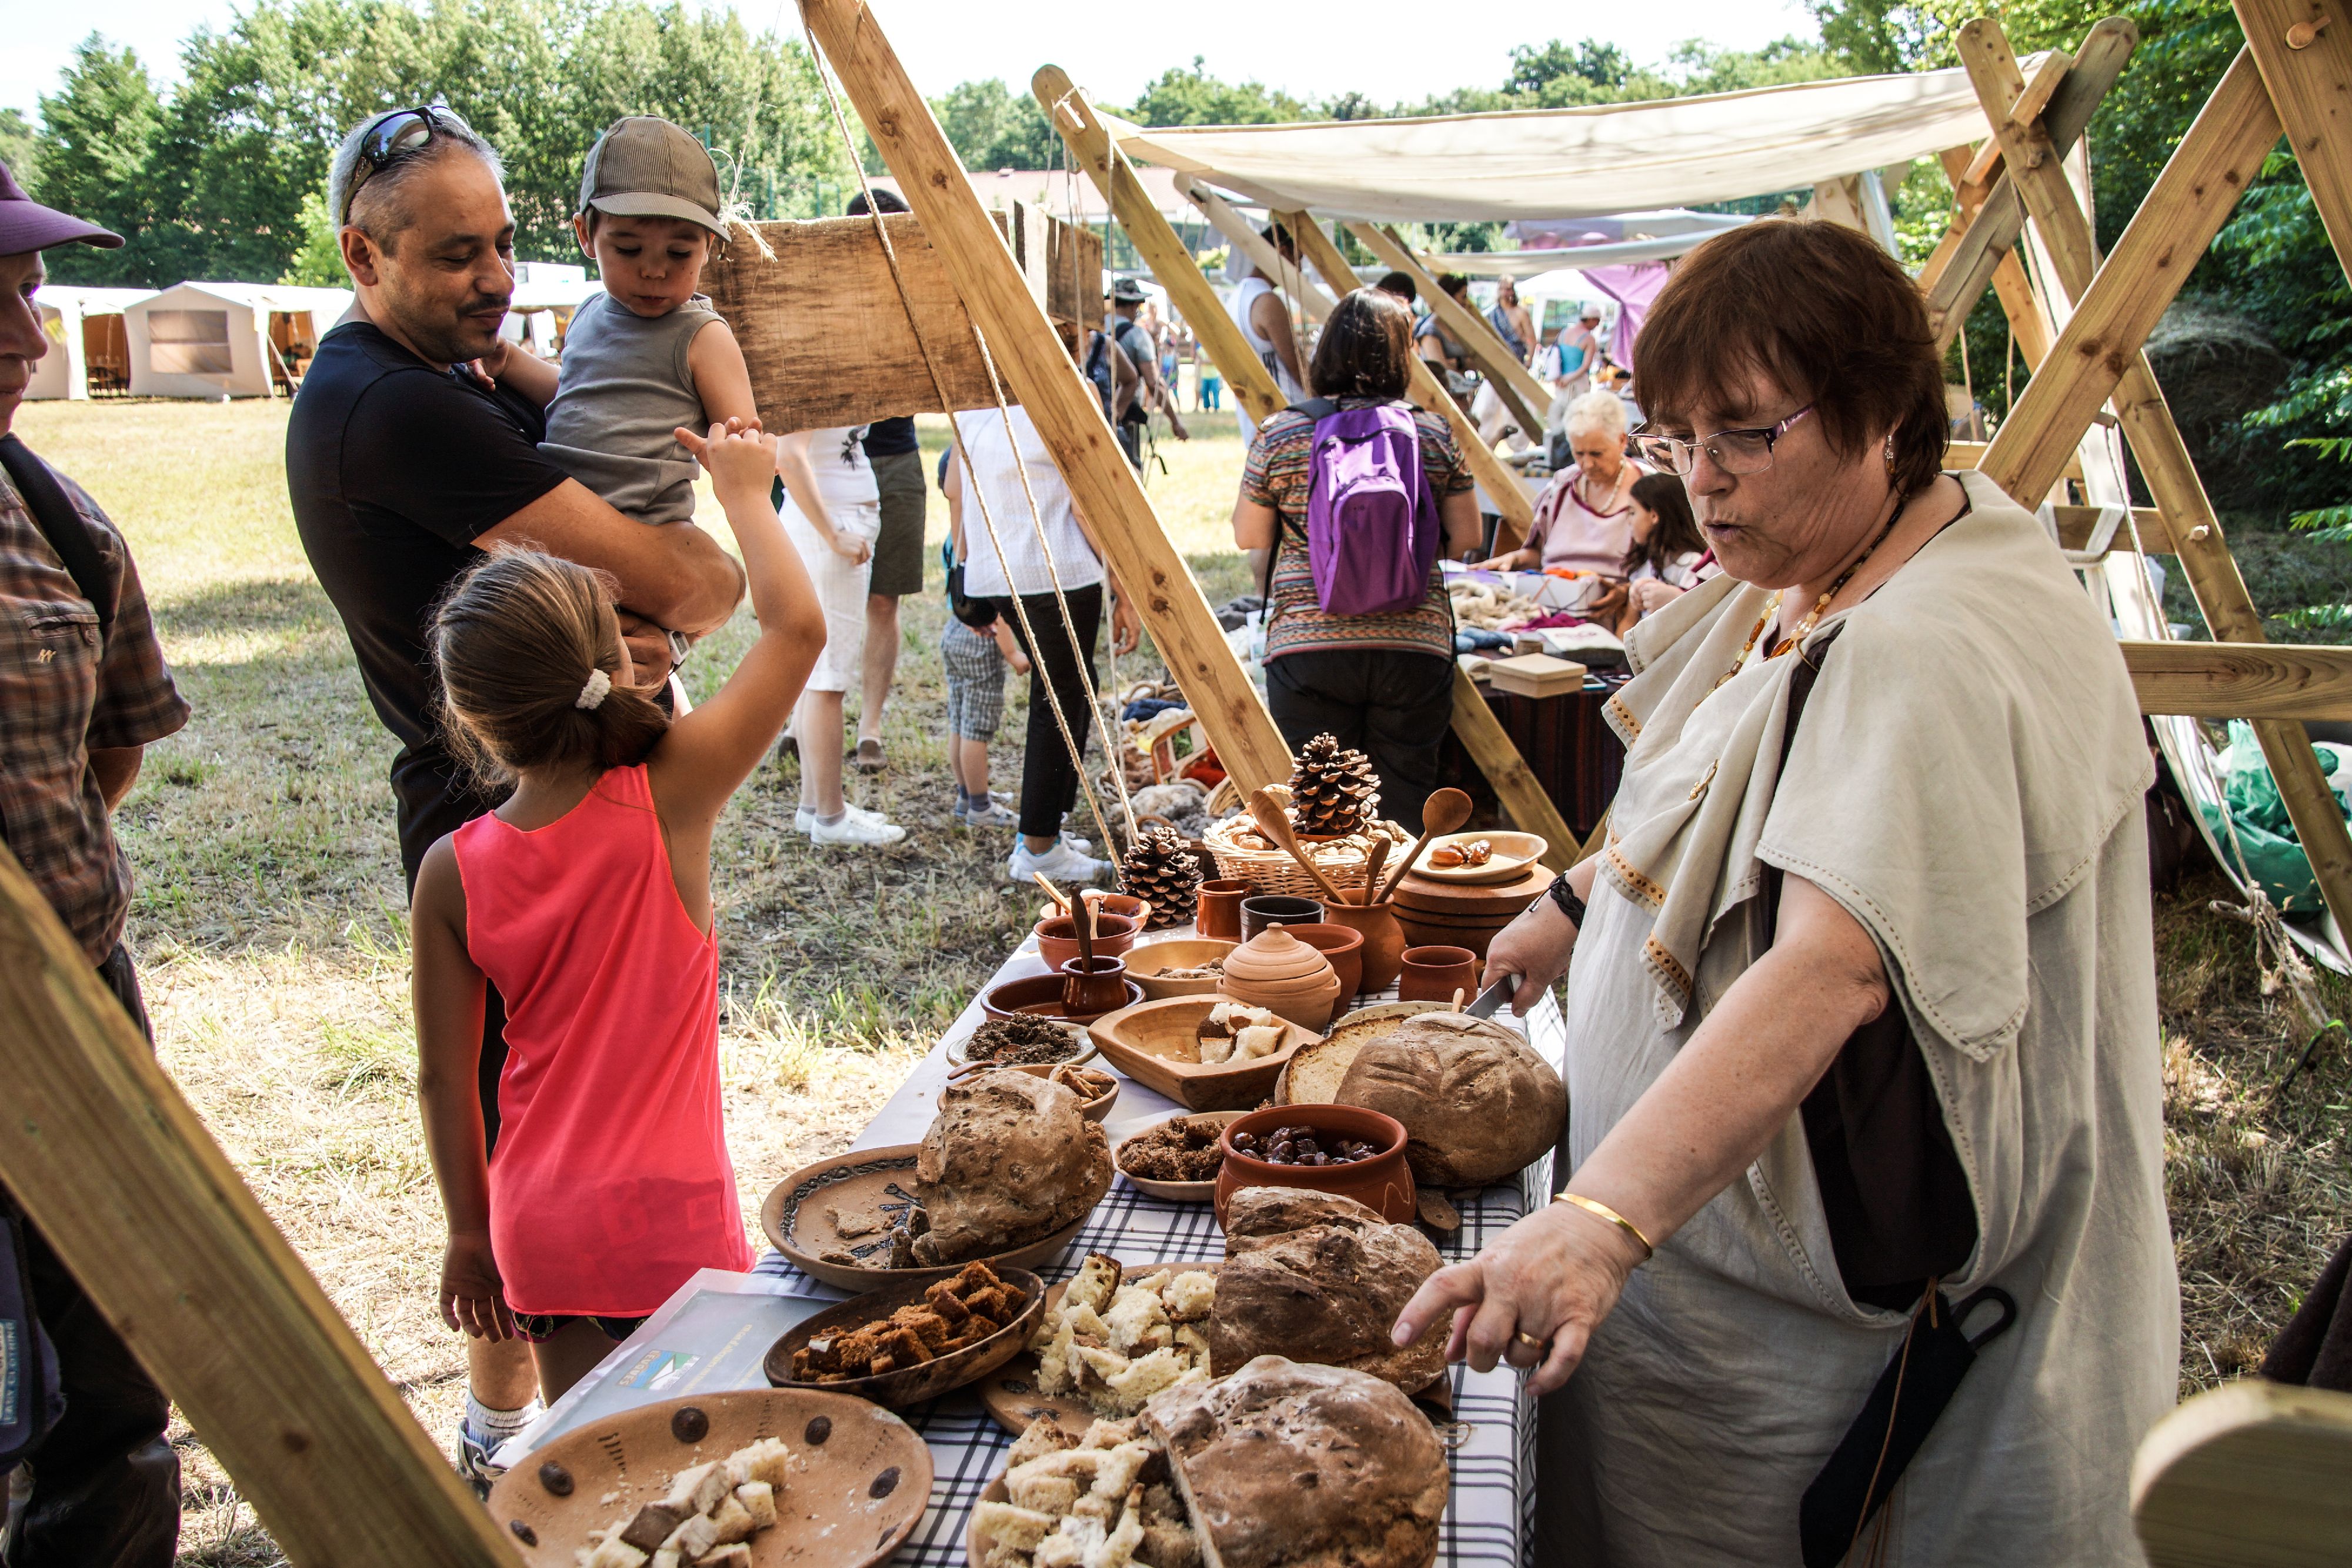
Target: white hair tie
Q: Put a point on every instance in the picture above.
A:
(592, 695)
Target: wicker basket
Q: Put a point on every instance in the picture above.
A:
(1270, 870)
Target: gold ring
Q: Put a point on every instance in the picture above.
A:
(1532, 1342)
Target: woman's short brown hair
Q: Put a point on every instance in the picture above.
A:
(1366, 349)
(515, 640)
(1822, 311)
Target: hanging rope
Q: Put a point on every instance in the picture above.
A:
(938, 388)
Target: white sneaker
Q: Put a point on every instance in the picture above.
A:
(1061, 864)
(994, 815)
(804, 819)
(856, 831)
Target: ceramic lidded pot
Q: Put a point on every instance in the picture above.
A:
(1384, 944)
(1278, 971)
(1341, 948)
(1435, 973)
(1219, 914)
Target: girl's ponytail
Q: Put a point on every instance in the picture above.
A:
(529, 649)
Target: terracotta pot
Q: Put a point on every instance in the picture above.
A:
(1219, 914)
(1092, 990)
(1421, 931)
(1267, 910)
(1435, 973)
(1384, 1181)
(1279, 973)
(1384, 944)
(1057, 939)
(1126, 904)
(1042, 995)
(1342, 948)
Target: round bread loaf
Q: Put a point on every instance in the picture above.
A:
(1319, 1278)
(1478, 1105)
(1009, 1159)
(1286, 1466)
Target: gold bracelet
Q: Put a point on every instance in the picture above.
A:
(1602, 1211)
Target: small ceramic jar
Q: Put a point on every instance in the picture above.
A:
(1279, 973)
(1220, 912)
(1435, 973)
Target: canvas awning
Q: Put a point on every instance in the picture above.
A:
(1565, 163)
(1526, 263)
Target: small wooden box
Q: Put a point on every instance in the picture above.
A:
(1536, 675)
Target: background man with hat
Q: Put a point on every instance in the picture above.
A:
(83, 691)
(413, 447)
(1152, 393)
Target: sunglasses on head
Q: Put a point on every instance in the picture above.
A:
(396, 136)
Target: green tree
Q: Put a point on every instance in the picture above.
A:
(992, 127)
(1559, 72)
(1193, 97)
(17, 140)
(95, 159)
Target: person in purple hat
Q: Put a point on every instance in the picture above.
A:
(83, 691)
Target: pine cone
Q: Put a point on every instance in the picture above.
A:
(1160, 868)
(1333, 790)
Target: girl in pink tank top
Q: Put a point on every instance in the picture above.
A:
(586, 900)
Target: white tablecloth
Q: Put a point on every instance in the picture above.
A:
(1489, 1511)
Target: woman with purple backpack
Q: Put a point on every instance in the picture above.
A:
(1356, 492)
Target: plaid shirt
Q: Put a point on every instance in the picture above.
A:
(61, 697)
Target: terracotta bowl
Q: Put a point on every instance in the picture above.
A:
(1433, 974)
(1081, 1051)
(1040, 994)
(1342, 949)
(1477, 936)
(801, 1216)
(1147, 961)
(1384, 1181)
(925, 1379)
(1057, 939)
(1123, 904)
(1174, 1192)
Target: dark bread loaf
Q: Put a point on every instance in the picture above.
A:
(1285, 1466)
(1009, 1159)
(1478, 1105)
(1318, 1277)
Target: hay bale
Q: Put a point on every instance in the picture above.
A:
(2216, 366)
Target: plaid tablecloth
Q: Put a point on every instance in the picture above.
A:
(1492, 1439)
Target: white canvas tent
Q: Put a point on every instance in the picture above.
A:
(86, 345)
(1565, 163)
(226, 340)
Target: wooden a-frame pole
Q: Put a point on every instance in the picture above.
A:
(118, 1173)
(1039, 370)
(2112, 309)
(1515, 384)
(1244, 237)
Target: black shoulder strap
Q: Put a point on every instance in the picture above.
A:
(61, 525)
(1315, 408)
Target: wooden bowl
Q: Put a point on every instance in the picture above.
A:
(1146, 960)
(1057, 937)
(1092, 1110)
(861, 1477)
(1174, 1192)
(959, 1050)
(798, 1217)
(1011, 1393)
(1158, 1044)
(925, 1379)
(1319, 1067)
(1384, 1181)
(1514, 853)
(1040, 994)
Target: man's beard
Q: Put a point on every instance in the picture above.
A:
(444, 337)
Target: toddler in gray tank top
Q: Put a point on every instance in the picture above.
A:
(649, 217)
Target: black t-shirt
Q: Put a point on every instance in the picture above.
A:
(394, 465)
(890, 437)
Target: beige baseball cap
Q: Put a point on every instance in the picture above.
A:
(642, 167)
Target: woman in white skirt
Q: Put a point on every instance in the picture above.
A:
(832, 513)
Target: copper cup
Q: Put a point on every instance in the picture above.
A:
(1435, 973)
(1219, 912)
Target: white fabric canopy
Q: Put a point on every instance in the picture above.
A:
(1526, 263)
(1563, 162)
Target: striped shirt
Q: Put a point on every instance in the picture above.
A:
(1279, 475)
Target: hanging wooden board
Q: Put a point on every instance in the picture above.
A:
(825, 334)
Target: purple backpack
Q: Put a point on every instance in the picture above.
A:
(1372, 519)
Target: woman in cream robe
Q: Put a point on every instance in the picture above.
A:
(1948, 845)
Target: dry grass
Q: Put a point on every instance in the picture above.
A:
(269, 930)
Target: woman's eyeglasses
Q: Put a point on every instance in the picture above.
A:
(1747, 451)
(387, 142)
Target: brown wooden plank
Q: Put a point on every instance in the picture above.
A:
(2241, 679)
(1497, 479)
(1522, 394)
(1060, 400)
(1162, 250)
(118, 1173)
(2076, 522)
(1243, 235)
(2184, 209)
(1489, 746)
(2029, 325)
(2027, 152)
(2311, 88)
(2250, 1474)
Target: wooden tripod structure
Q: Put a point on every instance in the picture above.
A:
(108, 1158)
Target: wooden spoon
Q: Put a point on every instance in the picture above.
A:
(1083, 919)
(1379, 858)
(1444, 812)
(1275, 823)
(1059, 896)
